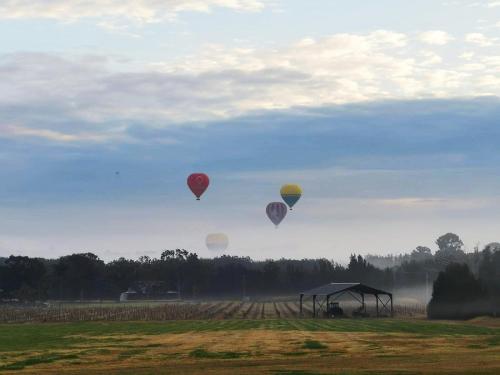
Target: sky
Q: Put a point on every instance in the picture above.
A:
(386, 113)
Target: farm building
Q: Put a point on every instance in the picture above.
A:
(148, 290)
(325, 299)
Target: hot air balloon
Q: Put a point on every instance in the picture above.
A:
(198, 183)
(276, 212)
(291, 193)
(217, 242)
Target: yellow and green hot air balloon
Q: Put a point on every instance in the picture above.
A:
(291, 193)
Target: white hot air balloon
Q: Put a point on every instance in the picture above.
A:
(217, 242)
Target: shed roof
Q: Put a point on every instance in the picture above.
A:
(335, 288)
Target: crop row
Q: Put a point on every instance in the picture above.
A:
(170, 311)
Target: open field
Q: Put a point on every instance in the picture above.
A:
(155, 311)
(252, 346)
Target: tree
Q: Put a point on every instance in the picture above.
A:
(26, 293)
(26, 273)
(421, 254)
(493, 247)
(489, 270)
(79, 275)
(270, 273)
(450, 242)
(450, 249)
(457, 294)
(121, 273)
(184, 269)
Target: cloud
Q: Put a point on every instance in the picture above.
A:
(10, 131)
(380, 148)
(480, 39)
(483, 4)
(493, 4)
(431, 58)
(453, 204)
(469, 55)
(95, 97)
(435, 37)
(139, 11)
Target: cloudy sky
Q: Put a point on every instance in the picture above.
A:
(386, 112)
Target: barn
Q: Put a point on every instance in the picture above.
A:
(325, 299)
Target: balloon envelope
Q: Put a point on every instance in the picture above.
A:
(276, 212)
(291, 193)
(198, 183)
(217, 242)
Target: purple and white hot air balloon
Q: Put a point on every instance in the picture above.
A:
(276, 212)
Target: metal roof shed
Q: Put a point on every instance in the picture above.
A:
(335, 290)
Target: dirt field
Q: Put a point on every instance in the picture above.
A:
(285, 346)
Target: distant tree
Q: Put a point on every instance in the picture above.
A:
(493, 247)
(183, 270)
(167, 255)
(295, 275)
(457, 294)
(24, 272)
(79, 275)
(270, 275)
(26, 293)
(489, 270)
(359, 270)
(121, 273)
(421, 254)
(450, 249)
(144, 259)
(325, 271)
(358, 265)
(86, 276)
(450, 242)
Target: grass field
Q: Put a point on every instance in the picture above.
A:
(272, 346)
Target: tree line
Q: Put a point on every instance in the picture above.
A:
(82, 276)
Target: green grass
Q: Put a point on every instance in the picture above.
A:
(30, 337)
(35, 360)
(494, 340)
(313, 344)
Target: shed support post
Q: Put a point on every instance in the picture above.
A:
(376, 299)
(363, 302)
(301, 297)
(314, 306)
(392, 310)
(327, 306)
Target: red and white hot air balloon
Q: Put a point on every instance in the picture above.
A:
(198, 183)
